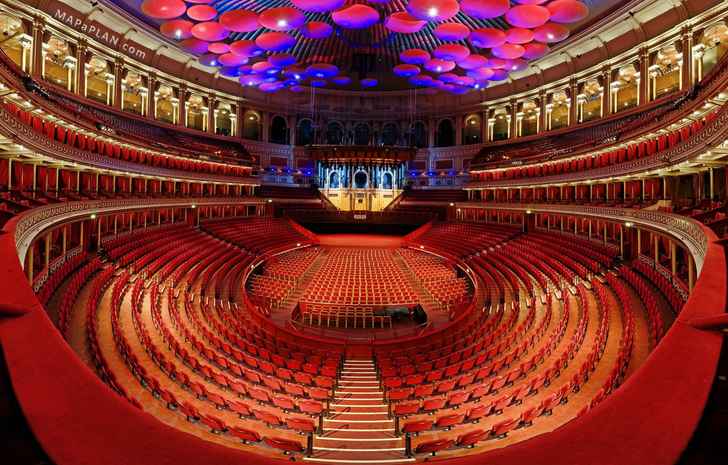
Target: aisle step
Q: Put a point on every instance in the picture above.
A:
(358, 428)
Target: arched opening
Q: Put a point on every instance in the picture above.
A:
(305, 134)
(472, 130)
(387, 181)
(418, 137)
(278, 130)
(390, 134)
(360, 180)
(445, 136)
(361, 134)
(15, 40)
(251, 126)
(334, 180)
(334, 133)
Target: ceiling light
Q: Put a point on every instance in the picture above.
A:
(432, 12)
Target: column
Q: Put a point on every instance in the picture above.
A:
(38, 35)
(644, 76)
(239, 113)
(606, 91)
(81, 68)
(542, 111)
(687, 57)
(211, 104)
(118, 76)
(182, 105)
(484, 126)
(514, 119)
(292, 126)
(573, 104)
(151, 99)
(265, 129)
(431, 132)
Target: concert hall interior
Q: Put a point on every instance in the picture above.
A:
(363, 232)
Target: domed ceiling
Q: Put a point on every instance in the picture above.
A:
(441, 45)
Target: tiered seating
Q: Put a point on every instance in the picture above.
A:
(280, 276)
(439, 279)
(102, 145)
(669, 289)
(463, 239)
(256, 234)
(178, 338)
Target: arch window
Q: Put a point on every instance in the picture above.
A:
(15, 41)
(251, 126)
(99, 80)
(134, 93)
(445, 136)
(305, 132)
(334, 133)
(472, 130)
(361, 134)
(59, 63)
(278, 130)
(165, 104)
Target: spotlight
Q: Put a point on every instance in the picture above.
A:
(93, 216)
(432, 12)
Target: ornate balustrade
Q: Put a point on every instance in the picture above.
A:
(686, 230)
(34, 222)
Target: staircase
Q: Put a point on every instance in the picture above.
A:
(358, 428)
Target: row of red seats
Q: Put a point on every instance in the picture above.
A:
(117, 150)
(633, 151)
(191, 412)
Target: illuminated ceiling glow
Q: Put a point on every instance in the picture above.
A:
(446, 45)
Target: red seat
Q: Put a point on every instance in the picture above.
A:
(448, 421)
(318, 393)
(293, 389)
(190, 411)
(458, 398)
(529, 414)
(480, 411)
(283, 402)
(216, 425)
(303, 425)
(244, 435)
(501, 429)
(433, 447)
(240, 408)
(430, 405)
(267, 417)
(471, 438)
(409, 408)
(311, 407)
(399, 394)
(286, 445)
(424, 390)
(259, 395)
(414, 427)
